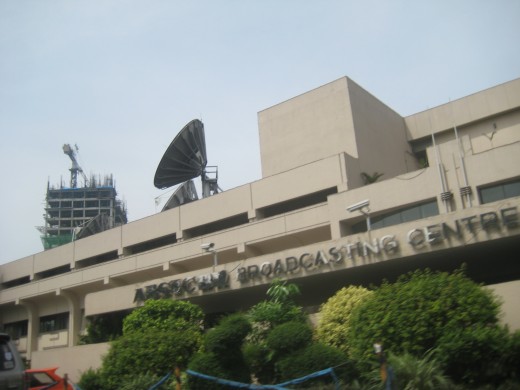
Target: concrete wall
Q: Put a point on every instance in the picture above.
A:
(508, 293)
(307, 128)
(483, 104)
(72, 361)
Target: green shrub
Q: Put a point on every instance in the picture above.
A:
(228, 335)
(282, 292)
(479, 355)
(314, 357)
(258, 357)
(288, 337)
(223, 357)
(275, 313)
(208, 364)
(164, 314)
(416, 312)
(424, 373)
(153, 352)
(144, 381)
(334, 323)
(512, 359)
(91, 380)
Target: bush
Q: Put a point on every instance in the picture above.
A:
(289, 337)
(223, 357)
(479, 355)
(153, 352)
(512, 359)
(144, 381)
(416, 312)
(275, 313)
(258, 357)
(164, 314)
(312, 358)
(91, 380)
(228, 335)
(208, 364)
(335, 314)
(424, 373)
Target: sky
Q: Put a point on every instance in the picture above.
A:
(120, 78)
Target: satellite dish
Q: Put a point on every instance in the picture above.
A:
(184, 194)
(184, 160)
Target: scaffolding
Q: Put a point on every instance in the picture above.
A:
(73, 213)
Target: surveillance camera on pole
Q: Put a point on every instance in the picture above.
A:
(359, 206)
(210, 248)
(362, 207)
(207, 246)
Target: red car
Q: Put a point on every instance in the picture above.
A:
(46, 379)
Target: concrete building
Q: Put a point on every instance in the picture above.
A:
(76, 212)
(351, 193)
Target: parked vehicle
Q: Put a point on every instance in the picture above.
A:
(47, 379)
(12, 374)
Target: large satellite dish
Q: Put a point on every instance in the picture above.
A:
(185, 193)
(184, 160)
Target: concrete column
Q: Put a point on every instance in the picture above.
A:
(32, 326)
(73, 302)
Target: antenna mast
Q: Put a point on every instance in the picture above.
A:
(67, 149)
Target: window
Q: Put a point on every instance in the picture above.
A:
(403, 215)
(499, 191)
(16, 329)
(54, 322)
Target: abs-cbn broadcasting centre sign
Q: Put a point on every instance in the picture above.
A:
(381, 247)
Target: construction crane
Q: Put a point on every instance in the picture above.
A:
(69, 151)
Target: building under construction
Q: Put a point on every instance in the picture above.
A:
(75, 212)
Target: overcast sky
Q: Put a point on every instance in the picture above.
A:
(120, 78)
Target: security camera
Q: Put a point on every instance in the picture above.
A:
(358, 206)
(207, 246)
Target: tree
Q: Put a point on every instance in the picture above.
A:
(152, 352)
(157, 337)
(280, 345)
(312, 358)
(222, 356)
(265, 316)
(282, 292)
(164, 314)
(423, 373)
(334, 323)
(415, 313)
(480, 355)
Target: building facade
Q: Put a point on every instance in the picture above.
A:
(351, 193)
